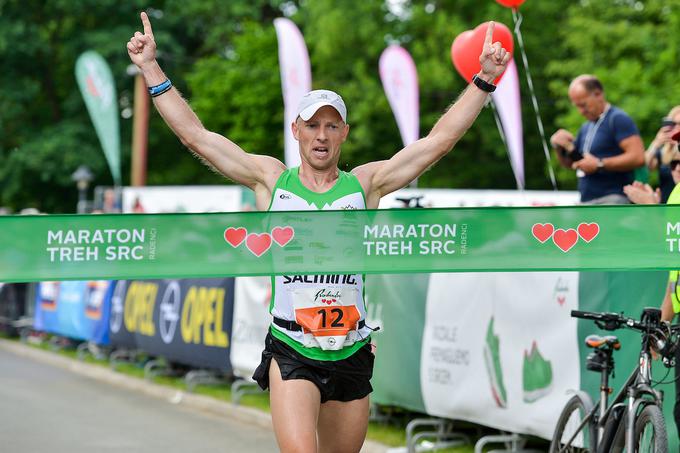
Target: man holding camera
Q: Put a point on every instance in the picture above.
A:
(607, 148)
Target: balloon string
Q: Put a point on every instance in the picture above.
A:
(501, 131)
(517, 18)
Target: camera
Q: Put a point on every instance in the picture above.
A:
(574, 154)
(667, 122)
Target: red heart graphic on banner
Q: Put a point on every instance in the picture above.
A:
(258, 243)
(542, 231)
(565, 239)
(467, 47)
(283, 235)
(235, 236)
(588, 231)
(561, 300)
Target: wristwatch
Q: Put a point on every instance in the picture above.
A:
(483, 84)
(600, 165)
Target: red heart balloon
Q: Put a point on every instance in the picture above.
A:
(511, 3)
(467, 47)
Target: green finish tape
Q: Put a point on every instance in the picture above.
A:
(133, 246)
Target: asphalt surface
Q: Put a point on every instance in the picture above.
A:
(52, 403)
(44, 408)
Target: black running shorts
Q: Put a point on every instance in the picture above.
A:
(341, 380)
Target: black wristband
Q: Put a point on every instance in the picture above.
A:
(483, 84)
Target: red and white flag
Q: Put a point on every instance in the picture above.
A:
(400, 82)
(296, 80)
(506, 98)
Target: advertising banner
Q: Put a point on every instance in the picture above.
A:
(396, 304)
(296, 80)
(501, 349)
(339, 242)
(99, 92)
(185, 321)
(120, 337)
(400, 82)
(252, 296)
(498, 354)
(160, 199)
(74, 309)
(509, 106)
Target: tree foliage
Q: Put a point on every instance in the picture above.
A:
(223, 57)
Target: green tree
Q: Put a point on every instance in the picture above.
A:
(223, 57)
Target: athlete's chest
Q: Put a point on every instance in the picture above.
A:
(286, 200)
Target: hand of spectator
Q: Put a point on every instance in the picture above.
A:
(663, 136)
(587, 165)
(640, 193)
(562, 139)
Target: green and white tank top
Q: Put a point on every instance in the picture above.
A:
(330, 308)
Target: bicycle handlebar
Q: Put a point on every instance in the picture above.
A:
(609, 321)
(662, 335)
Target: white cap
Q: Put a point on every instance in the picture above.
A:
(314, 100)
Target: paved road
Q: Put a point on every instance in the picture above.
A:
(48, 409)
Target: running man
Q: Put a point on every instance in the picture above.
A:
(319, 384)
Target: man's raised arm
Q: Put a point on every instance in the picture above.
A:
(228, 158)
(381, 178)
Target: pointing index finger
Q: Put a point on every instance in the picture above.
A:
(489, 34)
(147, 24)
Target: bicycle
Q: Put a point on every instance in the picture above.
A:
(634, 419)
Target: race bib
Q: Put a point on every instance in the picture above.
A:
(328, 316)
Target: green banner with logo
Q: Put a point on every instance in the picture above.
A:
(99, 92)
(372, 241)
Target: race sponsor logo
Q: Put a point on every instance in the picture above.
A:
(415, 239)
(169, 311)
(565, 239)
(117, 306)
(95, 291)
(561, 291)
(259, 243)
(333, 279)
(111, 244)
(48, 294)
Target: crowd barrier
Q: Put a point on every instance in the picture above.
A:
(184, 321)
(15, 313)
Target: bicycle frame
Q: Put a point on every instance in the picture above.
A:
(640, 388)
(613, 425)
(634, 389)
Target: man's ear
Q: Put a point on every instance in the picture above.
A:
(294, 128)
(345, 132)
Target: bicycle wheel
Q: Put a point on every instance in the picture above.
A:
(576, 409)
(650, 431)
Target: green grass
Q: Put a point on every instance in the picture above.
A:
(392, 433)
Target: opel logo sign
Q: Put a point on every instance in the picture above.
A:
(118, 306)
(169, 311)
